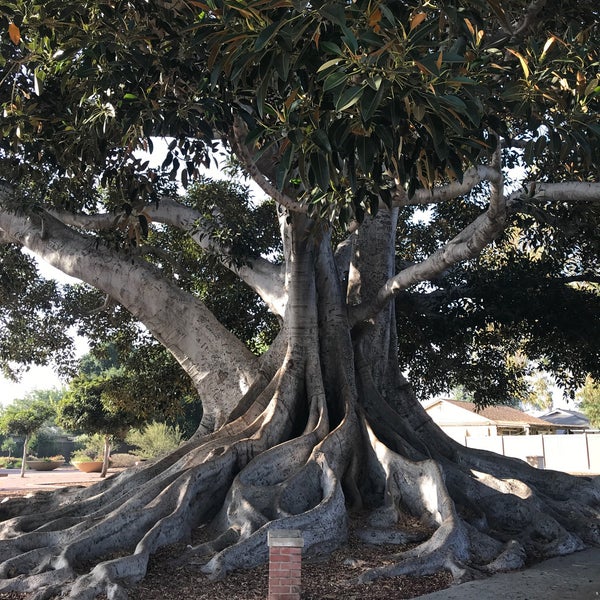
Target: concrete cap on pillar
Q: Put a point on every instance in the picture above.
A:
(290, 538)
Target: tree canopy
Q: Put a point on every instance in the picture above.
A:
(432, 220)
(25, 417)
(338, 107)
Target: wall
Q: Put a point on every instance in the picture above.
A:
(459, 423)
(577, 453)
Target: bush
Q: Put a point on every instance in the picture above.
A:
(80, 456)
(154, 439)
(92, 445)
(56, 458)
(10, 462)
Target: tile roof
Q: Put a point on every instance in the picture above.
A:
(501, 414)
(569, 418)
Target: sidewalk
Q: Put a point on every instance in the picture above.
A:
(572, 577)
(10, 479)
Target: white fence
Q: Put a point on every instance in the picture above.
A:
(577, 453)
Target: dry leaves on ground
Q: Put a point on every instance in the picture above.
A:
(331, 577)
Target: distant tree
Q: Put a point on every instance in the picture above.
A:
(25, 417)
(539, 395)
(461, 394)
(89, 406)
(9, 445)
(589, 401)
(150, 383)
(34, 327)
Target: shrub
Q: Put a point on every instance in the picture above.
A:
(154, 439)
(10, 462)
(92, 445)
(80, 456)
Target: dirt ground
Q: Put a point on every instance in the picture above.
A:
(576, 577)
(333, 577)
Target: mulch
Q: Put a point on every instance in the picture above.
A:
(330, 578)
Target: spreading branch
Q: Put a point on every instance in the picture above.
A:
(467, 244)
(264, 277)
(472, 177)
(246, 158)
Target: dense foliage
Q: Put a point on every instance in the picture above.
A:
(24, 417)
(338, 104)
(33, 325)
(589, 399)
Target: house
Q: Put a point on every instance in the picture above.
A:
(461, 420)
(568, 421)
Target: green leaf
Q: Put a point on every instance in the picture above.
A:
(282, 65)
(456, 103)
(295, 136)
(284, 167)
(350, 39)
(321, 140)
(334, 80)
(261, 94)
(330, 63)
(370, 101)
(267, 34)
(319, 168)
(338, 133)
(38, 82)
(334, 13)
(331, 47)
(349, 97)
(365, 150)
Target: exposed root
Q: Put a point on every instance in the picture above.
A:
(268, 468)
(167, 500)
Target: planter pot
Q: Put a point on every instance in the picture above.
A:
(94, 466)
(43, 465)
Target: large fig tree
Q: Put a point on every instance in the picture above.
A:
(383, 133)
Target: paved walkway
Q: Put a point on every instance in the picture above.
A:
(573, 577)
(10, 479)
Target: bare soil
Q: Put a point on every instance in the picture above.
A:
(331, 577)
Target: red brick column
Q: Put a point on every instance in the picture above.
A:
(285, 563)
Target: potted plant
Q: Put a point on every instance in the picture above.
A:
(86, 462)
(45, 463)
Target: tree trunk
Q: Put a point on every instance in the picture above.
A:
(328, 427)
(24, 461)
(105, 456)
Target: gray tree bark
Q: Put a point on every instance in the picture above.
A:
(322, 425)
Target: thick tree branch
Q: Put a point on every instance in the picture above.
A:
(218, 363)
(570, 191)
(471, 178)
(467, 244)
(265, 278)
(244, 155)
(477, 235)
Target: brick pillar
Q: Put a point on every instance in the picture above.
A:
(285, 563)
